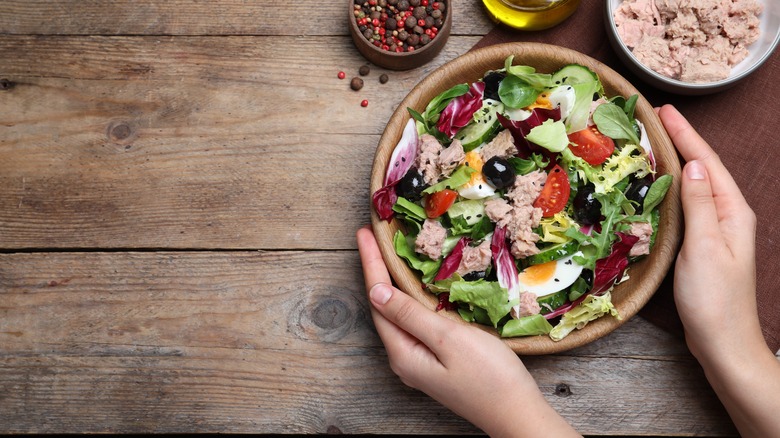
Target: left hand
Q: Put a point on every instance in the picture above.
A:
(467, 370)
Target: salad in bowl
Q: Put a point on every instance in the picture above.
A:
(522, 198)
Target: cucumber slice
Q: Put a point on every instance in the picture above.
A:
(482, 128)
(554, 252)
(472, 210)
(554, 301)
(574, 74)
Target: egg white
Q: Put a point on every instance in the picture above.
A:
(566, 273)
(563, 96)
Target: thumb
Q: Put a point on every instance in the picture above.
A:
(408, 314)
(701, 216)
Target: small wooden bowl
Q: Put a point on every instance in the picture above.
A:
(404, 60)
(645, 276)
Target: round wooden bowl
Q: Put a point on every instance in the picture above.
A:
(645, 276)
(404, 60)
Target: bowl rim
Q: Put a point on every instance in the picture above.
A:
(472, 66)
(700, 86)
(443, 33)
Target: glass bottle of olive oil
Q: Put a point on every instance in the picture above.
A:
(530, 14)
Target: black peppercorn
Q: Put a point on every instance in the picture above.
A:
(356, 83)
(419, 12)
(368, 33)
(418, 30)
(414, 2)
(410, 22)
(403, 35)
(403, 5)
(441, 6)
(413, 39)
(364, 70)
(424, 39)
(383, 79)
(391, 24)
(429, 22)
(436, 13)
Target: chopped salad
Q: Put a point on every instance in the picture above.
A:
(524, 198)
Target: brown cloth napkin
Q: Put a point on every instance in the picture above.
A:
(742, 124)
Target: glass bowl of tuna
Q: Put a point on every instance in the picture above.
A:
(696, 47)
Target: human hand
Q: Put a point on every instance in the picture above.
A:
(465, 369)
(715, 286)
(715, 279)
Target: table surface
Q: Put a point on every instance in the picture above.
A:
(180, 184)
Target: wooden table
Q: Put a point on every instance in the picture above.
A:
(180, 184)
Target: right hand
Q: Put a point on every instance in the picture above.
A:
(715, 274)
(715, 286)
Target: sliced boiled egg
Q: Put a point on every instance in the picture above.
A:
(548, 278)
(476, 187)
(563, 96)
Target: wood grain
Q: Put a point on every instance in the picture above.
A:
(275, 342)
(193, 17)
(141, 142)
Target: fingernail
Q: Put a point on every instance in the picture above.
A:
(380, 293)
(694, 170)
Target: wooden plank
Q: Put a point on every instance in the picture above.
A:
(276, 342)
(142, 142)
(192, 17)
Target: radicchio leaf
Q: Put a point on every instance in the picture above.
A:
(402, 159)
(445, 303)
(460, 110)
(452, 261)
(384, 200)
(610, 269)
(404, 154)
(521, 128)
(506, 271)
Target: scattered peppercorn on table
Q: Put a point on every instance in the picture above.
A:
(180, 185)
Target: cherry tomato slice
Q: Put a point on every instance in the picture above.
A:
(555, 193)
(437, 203)
(591, 145)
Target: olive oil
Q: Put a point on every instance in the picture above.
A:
(530, 14)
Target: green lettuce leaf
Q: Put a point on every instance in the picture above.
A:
(591, 308)
(526, 326)
(550, 135)
(488, 295)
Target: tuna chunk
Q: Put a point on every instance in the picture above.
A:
(528, 305)
(519, 216)
(450, 158)
(691, 40)
(427, 161)
(475, 258)
(431, 239)
(643, 231)
(503, 145)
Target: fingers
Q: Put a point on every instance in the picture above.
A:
(701, 219)
(693, 147)
(398, 311)
(374, 269)
(712, 201)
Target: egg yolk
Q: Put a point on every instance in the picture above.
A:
(542, 101)
(474, 160)
(537, 274)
